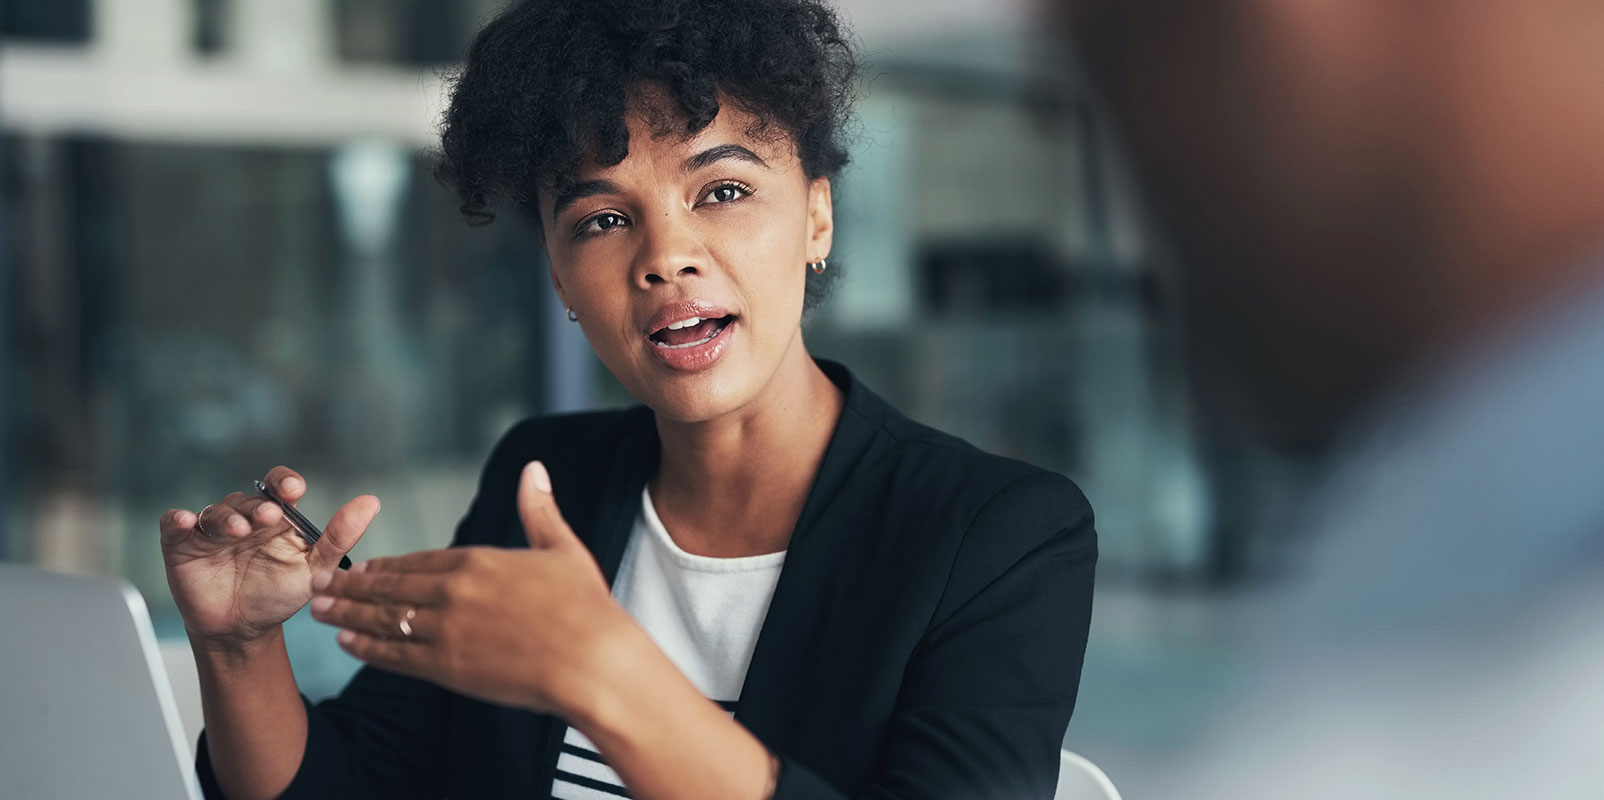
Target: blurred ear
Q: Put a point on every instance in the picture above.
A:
(551, 269)
(821, 219)
(556, 282)
(536, 215)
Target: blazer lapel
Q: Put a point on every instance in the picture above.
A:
(620, 499)
(606, 535)
(806, 589)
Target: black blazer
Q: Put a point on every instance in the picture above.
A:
(924, 640)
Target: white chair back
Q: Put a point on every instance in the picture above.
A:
(181, 671)
(1080, 779)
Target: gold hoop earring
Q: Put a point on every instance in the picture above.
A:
(819, 266)
(572, 317)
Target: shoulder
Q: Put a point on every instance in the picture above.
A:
(975, 521)
(988, 514)
(994, 490)
(1017, 519)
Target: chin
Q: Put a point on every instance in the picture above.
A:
(700, 396)
(713, 376)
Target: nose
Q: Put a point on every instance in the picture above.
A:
(670, 251)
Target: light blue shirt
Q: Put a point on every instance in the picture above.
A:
(1442, 633)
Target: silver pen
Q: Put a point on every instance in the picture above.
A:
(305, 527)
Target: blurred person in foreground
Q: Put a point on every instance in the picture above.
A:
(884, 610)
(1390, 224)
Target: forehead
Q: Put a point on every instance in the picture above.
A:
(658, 135)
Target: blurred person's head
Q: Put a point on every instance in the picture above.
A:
(676, 159)
(1353, 184)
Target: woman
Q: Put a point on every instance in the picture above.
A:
(763, 582)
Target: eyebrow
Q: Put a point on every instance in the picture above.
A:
(578, 191)
(713, 155)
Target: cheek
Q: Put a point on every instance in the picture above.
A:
(768, 264)
(600, 299)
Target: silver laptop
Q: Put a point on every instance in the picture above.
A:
(85, 706)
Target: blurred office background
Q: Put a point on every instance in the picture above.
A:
(221, 251)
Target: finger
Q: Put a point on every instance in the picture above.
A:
(177, 524)
(405, 656)
(423, 561)
(400, 588)
(260, 512)
(224, 519)
(287, 483)
(537, 509)
(345, 529)
(262, 515)
(379, 620)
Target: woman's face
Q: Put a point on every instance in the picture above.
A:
(687, 262)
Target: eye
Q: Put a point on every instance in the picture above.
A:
(727, 192)
(601, 223)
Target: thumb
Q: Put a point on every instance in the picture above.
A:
(343, 531)
(537, 508)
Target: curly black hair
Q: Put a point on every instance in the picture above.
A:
(547, 84)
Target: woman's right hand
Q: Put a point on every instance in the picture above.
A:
(245, 571)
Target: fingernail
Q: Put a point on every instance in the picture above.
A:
(321, 581)
(537, 473)
(321, 603)
(361, 566)
(289, 485)
(346, 637)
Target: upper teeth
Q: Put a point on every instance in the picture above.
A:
(685, 324)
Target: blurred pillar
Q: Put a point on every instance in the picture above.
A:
(7, 491)
(376, 401)
(149, 32)
(282, 35)
(68, 524)
(875, 226)
(1141, 456)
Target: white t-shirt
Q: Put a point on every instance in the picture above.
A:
(704, 613)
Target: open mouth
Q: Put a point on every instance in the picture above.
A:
(690, 332)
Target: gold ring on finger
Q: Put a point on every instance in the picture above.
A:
(200, 527)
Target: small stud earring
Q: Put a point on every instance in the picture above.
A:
(572, 317)
(819, 266)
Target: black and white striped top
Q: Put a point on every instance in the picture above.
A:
(582, 774)
(704, 613)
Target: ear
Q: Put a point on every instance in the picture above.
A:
(537, 220)
(821, 219)
(556, 282)
(551, 272)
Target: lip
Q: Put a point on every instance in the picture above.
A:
(683, 310)
(700, 357)
(690, 359)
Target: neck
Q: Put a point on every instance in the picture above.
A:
(735, 485)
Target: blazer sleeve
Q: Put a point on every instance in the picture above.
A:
(988, 692)
(382, 736)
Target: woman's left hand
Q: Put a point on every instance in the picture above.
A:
(515, 627)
